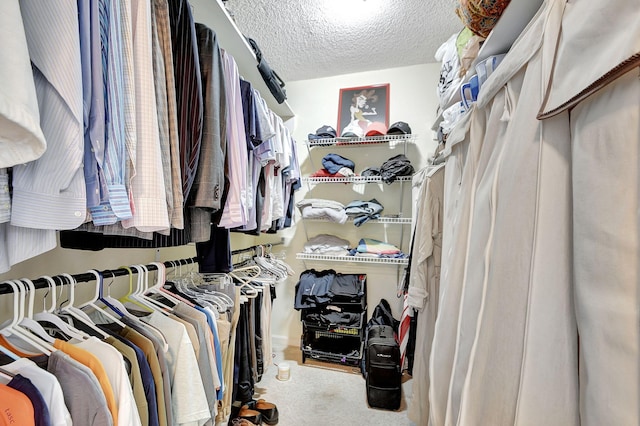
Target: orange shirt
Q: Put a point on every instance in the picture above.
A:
(90, 360)
(15, 408)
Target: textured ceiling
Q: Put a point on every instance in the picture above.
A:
(305, 39)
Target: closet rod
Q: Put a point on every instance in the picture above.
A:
(246, 249)
(107, 273)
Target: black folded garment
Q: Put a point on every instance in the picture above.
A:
(394, 167)
(348, 319)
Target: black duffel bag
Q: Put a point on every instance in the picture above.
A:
(271, 78)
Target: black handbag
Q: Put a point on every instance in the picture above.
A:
(270, 77)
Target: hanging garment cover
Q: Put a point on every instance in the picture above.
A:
(595, 80)
(520, 309)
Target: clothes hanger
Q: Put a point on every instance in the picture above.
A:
(92, 302)
(55, 320)
(158, 289)
(13, 328)
(130, 297)
(6, 374)
(113, 303)
(78, 314)
(28, 322)
(172, 296)
(249, 291)
(202, 296)
(221, 279)
(141, 286)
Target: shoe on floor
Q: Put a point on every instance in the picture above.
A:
(253, 416)
(268, 410)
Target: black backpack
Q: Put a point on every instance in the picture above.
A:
(381, 315)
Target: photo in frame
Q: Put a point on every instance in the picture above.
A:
(360, 106)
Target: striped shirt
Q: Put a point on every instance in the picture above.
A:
(160, 9)
(151, 213)
(188, 89)
(50, 193)
(93, 97)
(116, 205)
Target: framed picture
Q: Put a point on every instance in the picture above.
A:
(360, 106)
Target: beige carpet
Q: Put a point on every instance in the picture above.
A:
(324, 394)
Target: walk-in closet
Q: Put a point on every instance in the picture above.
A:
(358, 212)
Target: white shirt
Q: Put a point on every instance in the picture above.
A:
(113, 363)
(21, 139)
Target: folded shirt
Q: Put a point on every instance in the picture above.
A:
(325, 213)
(370, 245)
(363, 211)
(327, 244)
(320, 203)
(334, 162)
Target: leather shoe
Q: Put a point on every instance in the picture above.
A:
(268, 410)
(251, 415)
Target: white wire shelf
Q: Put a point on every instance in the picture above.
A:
(346, 142)
(354, 259)
(352, 179)
(390, 220)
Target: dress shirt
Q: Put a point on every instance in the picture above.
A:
(160, 87)
(160, 8)
(148, 186)
(235, 214)
(50, 193)
(115, 206)
(22, 138)
(91, 56)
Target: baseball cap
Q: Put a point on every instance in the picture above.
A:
(376, 129)
(323, 132)
(326, 132)
(352, 131)
(399, 128)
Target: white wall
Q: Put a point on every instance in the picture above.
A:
(315, 103)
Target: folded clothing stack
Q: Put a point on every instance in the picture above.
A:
(391, 169)
(327, 244)
(363, 211)
(394, 167)
(369, 247)
(335, 165)
(316, 208)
